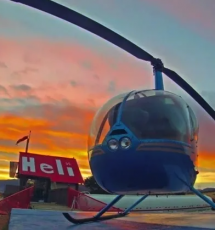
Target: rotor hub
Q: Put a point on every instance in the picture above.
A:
(157, 64)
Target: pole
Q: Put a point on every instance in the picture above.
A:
(27, 143)
(23, 179)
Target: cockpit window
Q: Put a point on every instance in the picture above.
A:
(157, 117)
(100, 125)
(168, 101)
(194, 125)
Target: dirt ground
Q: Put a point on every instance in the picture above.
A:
(3, 222)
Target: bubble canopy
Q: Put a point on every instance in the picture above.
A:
(148, 114)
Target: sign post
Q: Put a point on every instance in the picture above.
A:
(27, 143)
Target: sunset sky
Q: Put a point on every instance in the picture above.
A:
(54, 75)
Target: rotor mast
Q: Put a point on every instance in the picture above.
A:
(157, 70)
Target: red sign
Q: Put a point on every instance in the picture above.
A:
(58, 169)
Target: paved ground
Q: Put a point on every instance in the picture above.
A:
(54, 220)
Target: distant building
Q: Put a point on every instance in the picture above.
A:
(10, 190)
(84, 189)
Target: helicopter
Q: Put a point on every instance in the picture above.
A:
(141, 142)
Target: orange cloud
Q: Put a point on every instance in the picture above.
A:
(206, 175)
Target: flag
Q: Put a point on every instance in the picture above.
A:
(22, 139)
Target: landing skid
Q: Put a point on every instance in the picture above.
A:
(92, 219)
(99, 217)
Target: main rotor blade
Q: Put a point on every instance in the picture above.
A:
(184, 85)
(88, 24)
(94, 27)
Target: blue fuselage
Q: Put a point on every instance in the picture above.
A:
(143, 142)
(149, 166)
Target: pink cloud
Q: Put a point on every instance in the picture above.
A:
(67, 70)
(7, 22)
(193, 13)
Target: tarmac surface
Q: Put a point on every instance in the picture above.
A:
(30, 219)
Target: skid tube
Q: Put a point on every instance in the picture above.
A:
(99, 217)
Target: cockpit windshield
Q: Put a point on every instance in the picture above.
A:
(159, 116)
(150, 114)
(100, 127)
